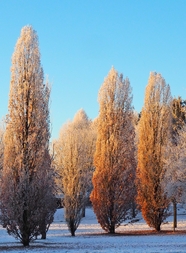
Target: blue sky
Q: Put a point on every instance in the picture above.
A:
(80, 40)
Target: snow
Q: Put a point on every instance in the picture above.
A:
(90, 238)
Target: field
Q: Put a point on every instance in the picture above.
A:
(135, 237)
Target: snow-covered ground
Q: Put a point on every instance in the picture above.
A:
(91, 238)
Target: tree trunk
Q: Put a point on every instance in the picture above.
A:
(158, 227)
(112, 229)
(133, 209)
(43, 229)
(25, 234)
(72, 228)
(43, 235)
(72, 233)
(174, 214)
(25, 242)
(83, 212)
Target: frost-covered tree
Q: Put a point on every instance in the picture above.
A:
(114, 160)
(154, 133)
(178, 116)
(174, 179)
(27, 178)
(74, 163)
(2, 132)
(175, 175)
(174, 185)
(134, 206)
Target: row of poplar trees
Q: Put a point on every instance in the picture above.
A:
(118, 160)
(133, 160)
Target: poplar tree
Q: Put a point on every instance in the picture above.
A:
(178, 116)
(26, 195)
(2, 132)
(114, 159)
(154, 133)
(74, 163)
(175, 152)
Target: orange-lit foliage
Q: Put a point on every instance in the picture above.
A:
(154, 130)
(114, 160)
(27, 179)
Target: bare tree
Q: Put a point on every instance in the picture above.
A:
(154, 133)
(114, 160)
(74, 162)
(27, 178)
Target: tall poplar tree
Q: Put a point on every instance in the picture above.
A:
(2, 132)
(74, 163)
(114, 160)
(175, 152)
(178, 116)
(154, 133)
(27, 180)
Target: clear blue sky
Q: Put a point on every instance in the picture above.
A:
(80, 40)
